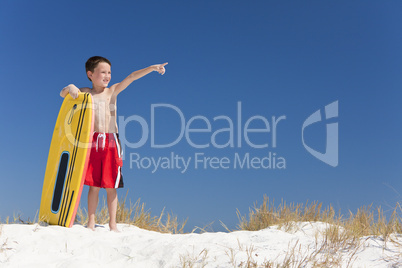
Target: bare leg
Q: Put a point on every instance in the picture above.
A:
(93, 197)
(112, 206)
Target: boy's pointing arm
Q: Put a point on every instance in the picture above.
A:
(160, 68)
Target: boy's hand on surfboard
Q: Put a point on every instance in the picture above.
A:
(160, 68)
(73, 91)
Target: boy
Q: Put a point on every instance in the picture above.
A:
(105, 158)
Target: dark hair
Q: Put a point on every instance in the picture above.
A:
(92, 62)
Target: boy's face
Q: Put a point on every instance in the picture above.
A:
(101, 75)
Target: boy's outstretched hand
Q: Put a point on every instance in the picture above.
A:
(160, 68)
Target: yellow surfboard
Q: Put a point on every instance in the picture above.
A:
(67, 161)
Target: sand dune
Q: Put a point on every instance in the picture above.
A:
(55, 246)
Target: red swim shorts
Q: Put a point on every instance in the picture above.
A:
(104, 168)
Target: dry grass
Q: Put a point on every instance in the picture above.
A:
(194, 259)
(135, 214)
(284, 215)
(366, 221)
(3, 245)
(338, 244)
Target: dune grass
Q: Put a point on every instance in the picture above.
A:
(337, 245)
(366, 221)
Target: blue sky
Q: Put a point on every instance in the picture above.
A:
(275, 58)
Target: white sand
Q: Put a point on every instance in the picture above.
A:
(55, 246)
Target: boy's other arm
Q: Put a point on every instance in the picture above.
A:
(117, 88)
(72, 90)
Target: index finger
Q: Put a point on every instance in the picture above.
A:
(164, 64)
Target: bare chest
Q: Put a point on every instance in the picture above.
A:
(104, 102)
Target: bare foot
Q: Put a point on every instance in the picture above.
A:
(91, 225)
(113, 227)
